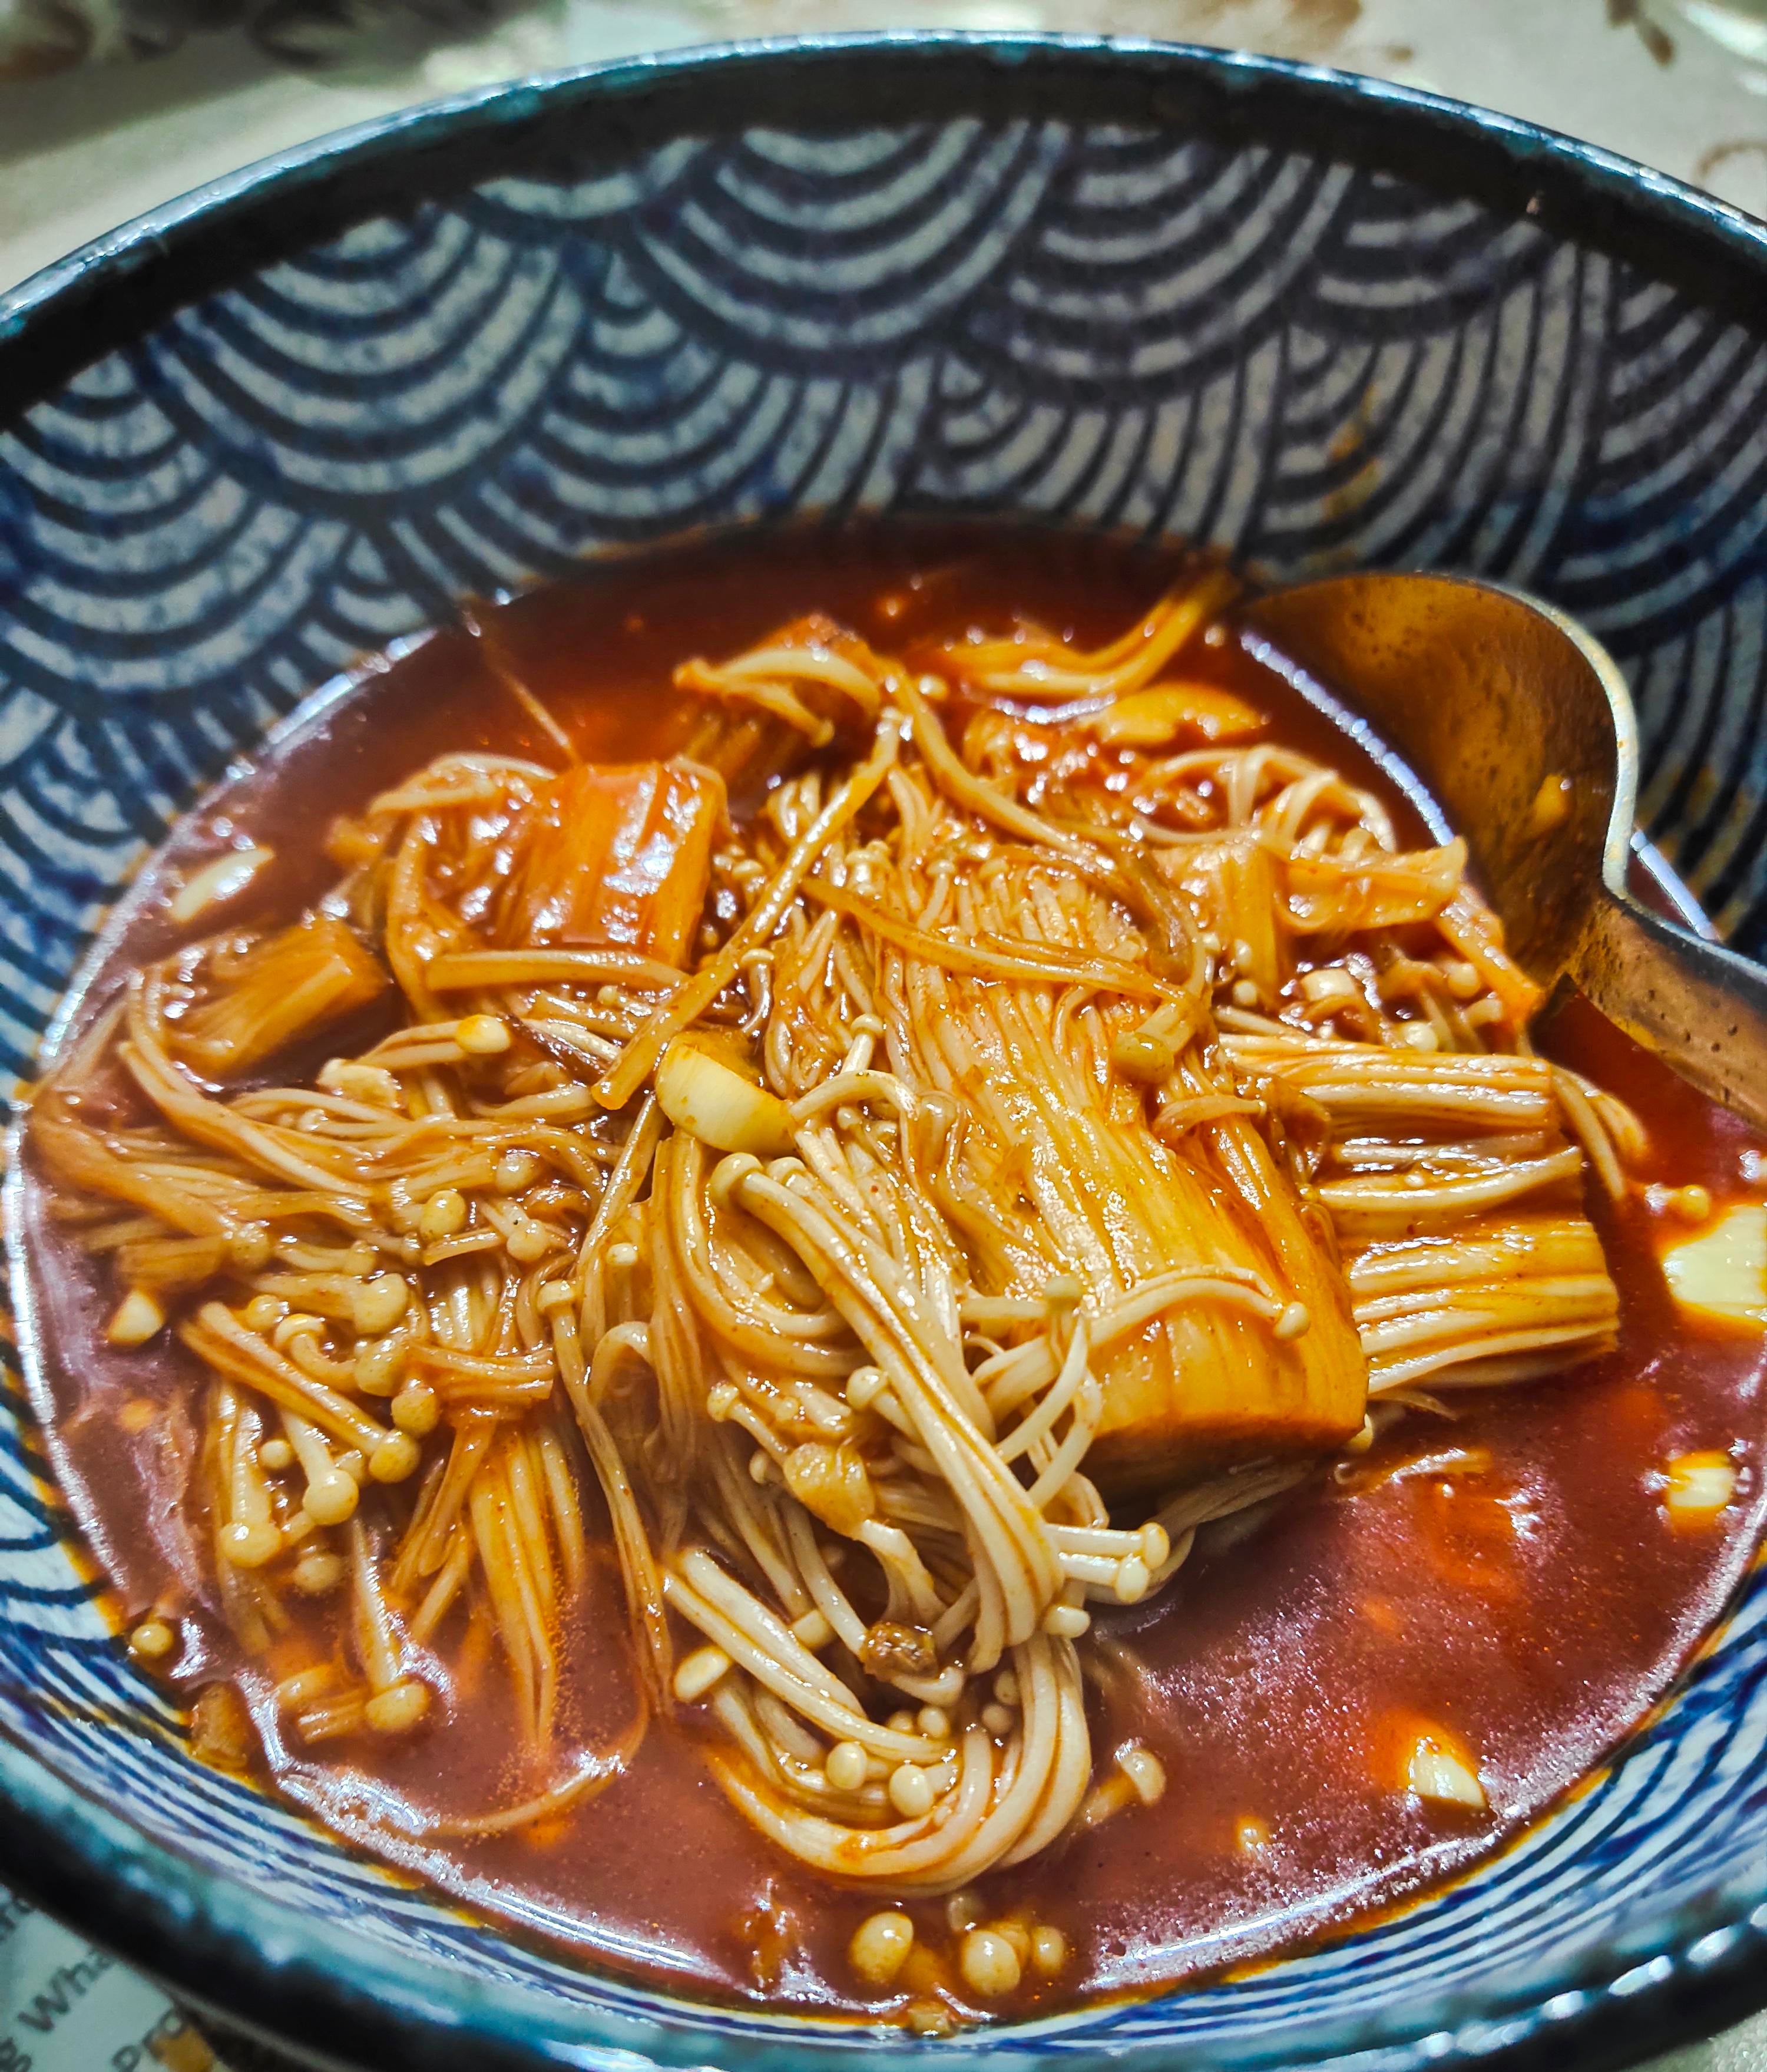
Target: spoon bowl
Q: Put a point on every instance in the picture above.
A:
(1519, 724)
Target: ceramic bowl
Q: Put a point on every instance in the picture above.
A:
(1316, 320)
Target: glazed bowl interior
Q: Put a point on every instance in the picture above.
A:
(1316, 322)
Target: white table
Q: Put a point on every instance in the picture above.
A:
(80, 154)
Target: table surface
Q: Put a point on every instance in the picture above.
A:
(81, 152)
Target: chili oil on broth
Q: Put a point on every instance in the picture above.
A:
(1506, 1582)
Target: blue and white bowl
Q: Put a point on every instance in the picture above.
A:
(1315, 320)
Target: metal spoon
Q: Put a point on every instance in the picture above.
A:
(1520, 726)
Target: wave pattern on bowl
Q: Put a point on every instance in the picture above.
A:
(1309, 362)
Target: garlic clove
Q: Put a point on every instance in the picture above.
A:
(719, 1105)
(1722, 1273)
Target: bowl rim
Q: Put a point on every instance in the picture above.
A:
(267, 1965)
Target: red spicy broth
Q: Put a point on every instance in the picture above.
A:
(1508, 1574)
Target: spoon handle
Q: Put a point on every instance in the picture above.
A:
(1701, 1007)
